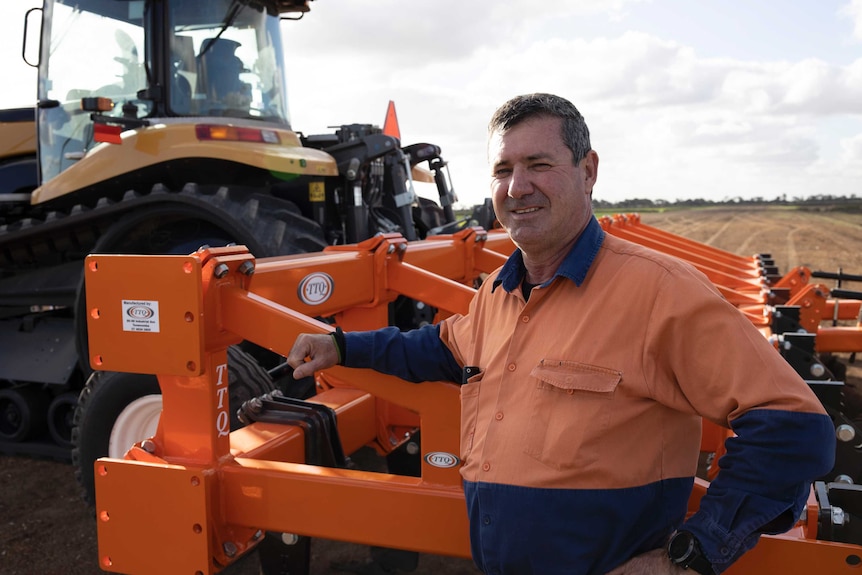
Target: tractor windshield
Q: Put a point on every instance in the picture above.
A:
(226, 60)
(208, 58)
(86, 53)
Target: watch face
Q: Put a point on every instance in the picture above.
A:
(680, 547)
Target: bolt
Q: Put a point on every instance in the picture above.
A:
(255, 404)
(817, 369)
(221, 270)
(845, 479)
(390, 249)
(148, 445)
(246, 268)
(289, 538)
(402, 247)
(845, 432)
(412, 448)
(257, 535)
(230, 548)
(837, 516)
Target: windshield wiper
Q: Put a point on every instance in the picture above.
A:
(232, 12)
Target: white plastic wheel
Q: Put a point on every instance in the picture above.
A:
(138, 421)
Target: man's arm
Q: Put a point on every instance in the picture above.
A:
(416, 355)
(730, 374)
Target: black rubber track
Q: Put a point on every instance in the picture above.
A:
(268, 225)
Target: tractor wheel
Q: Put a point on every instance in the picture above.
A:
(22, 413)
(61, 411)
(115, 410)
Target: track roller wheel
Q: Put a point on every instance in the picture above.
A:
(22, 413)
(61, 412)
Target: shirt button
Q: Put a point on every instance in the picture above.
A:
(486, 466)
(511, 367)
(486, 520)
(525, 318)
(499, 415)
(570, 391)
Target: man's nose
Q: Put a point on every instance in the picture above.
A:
(520, 184)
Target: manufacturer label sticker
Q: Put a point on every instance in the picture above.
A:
(441, 459)
(314, 289)
(141, 316)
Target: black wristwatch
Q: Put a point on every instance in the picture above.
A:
(684, 551)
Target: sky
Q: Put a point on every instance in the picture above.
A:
(684, 99)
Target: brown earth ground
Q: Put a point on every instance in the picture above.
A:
(45, 528)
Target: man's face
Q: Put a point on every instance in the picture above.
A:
(540, 196)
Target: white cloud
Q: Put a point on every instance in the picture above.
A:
(852, 150)
(649, 102)
(853, 10)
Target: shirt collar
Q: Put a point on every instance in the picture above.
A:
(574, 267)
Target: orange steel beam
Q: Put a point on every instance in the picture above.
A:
(843, 309)
(742, 275)
(712, 253)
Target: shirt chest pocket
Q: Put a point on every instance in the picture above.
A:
(570, 408)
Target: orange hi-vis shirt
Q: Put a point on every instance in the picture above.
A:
(580, 435)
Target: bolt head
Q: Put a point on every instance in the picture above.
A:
(289, 538)
(221, 270)
(838, 517)
(246, 268)
(817, 369)
(845, 432)
(229, 548)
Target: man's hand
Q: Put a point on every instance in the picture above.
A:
(655, 562)
(318, 348)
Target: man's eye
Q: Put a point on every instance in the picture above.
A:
(541, 167)
(502, 172)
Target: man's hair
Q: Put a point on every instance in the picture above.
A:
(576, 135)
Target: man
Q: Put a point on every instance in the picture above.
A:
(598, 358)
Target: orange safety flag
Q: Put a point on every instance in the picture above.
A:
(107, 133)
(390, 127)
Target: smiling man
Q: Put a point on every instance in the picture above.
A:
(598, 358)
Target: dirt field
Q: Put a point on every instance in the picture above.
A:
(45, 529)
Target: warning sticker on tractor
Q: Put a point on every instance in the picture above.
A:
(141, 316)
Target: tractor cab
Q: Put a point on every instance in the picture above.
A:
(114, 60)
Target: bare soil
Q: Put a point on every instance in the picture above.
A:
(46, 529)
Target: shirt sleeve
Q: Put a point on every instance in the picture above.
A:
(723, 368)
(416, 355)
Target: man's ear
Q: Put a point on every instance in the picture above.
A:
(591, 169)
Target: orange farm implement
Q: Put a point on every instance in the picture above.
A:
(205, 496)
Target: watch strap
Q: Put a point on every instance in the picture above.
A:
(695, 559)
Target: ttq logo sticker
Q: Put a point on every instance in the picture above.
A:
(314, 289)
